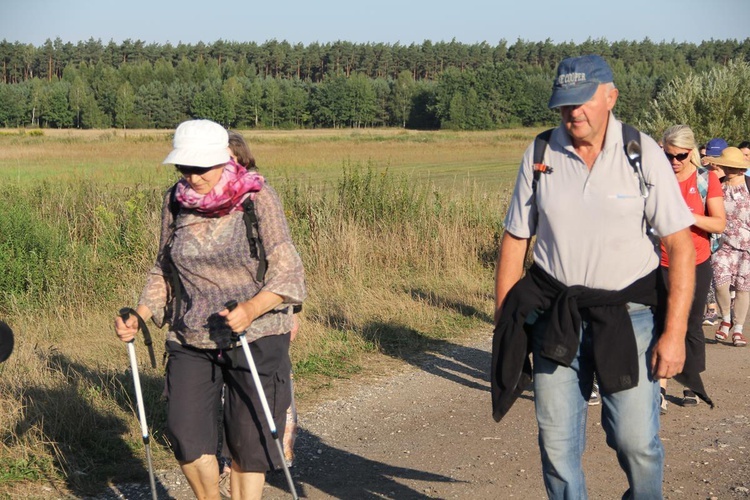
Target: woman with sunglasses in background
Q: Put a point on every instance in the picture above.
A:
(205, 246)
(708, 210)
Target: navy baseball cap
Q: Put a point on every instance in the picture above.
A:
(577, 80)
(715, 146)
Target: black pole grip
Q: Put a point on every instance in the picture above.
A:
(125, 313)
(232, 305)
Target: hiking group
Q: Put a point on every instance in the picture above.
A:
(626, 251)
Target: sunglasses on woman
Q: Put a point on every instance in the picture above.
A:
(191, 170)
(678, 156)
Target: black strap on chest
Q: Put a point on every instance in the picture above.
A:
(631, 139)
(254, 240)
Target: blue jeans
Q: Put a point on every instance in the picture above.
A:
(630, 418)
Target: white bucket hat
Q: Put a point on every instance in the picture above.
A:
(199, 143)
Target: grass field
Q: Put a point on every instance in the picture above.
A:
(489, 159)
(397, 229)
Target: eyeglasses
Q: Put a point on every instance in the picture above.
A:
(678, 156)
(191, 170)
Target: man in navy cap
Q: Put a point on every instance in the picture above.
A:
(715, 146)
(594, 284)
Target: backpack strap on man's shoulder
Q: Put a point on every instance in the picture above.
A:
(631, 141)
(630, 133)
(253, 236)
(540, 147)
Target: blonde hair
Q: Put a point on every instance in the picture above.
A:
(682, 136)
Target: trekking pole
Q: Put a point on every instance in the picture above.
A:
(125, 314)
(231, 305)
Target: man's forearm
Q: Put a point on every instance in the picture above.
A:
(509, 268)
(681, 253)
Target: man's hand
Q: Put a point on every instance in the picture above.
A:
(668, 357)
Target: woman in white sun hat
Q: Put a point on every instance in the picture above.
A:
(731, 263)
(205, 259)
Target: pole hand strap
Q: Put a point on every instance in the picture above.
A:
(124, 313)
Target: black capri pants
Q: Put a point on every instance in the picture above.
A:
(195, 378)
(695, 340)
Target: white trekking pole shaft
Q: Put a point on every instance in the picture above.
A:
(264, 402)
(141, 412)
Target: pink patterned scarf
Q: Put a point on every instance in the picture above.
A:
(228, 194)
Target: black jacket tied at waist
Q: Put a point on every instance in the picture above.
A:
(614, 345)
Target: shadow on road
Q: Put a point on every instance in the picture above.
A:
(463, 365)
(445, 303)
(342, 474)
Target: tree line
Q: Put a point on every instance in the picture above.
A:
(339, 84)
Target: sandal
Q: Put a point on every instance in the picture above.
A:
(721, 335)
(689, 398)
(738, 340)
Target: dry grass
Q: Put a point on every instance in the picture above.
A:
(315, 156)
(397, 231)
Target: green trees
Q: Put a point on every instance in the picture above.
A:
(124, 108)
(12, 100)
(56, 111)
(715, 104)
(402, 91)
(210, 103)
(343, 84)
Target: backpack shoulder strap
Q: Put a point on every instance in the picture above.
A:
(631, 141)
(630, 135)
(174, 205)
(540, 147)
(701, 179)
(174, 275)
(253, 236)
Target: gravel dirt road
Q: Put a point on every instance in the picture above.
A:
(426, 431)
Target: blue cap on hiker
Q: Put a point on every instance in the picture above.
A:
(199, 143)
(715, 146)
(577, 80)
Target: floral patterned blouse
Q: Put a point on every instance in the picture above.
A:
(215, 265)
(737, 205)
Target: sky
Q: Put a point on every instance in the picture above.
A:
(362, 21)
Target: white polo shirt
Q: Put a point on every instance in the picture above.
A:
(590, 229)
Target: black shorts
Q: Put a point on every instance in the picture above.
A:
(194, 381)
